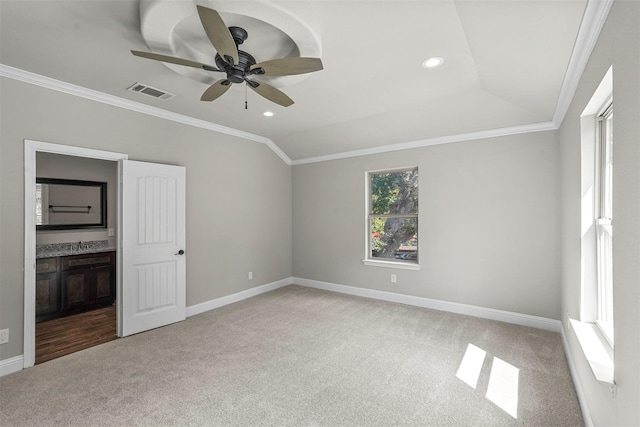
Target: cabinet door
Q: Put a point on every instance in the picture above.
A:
(75, 288)
(104, 285)
(46, 295)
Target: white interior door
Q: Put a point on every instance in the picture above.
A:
(153, 246)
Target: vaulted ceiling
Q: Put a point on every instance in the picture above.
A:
(505, 63)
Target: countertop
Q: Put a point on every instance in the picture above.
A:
(75, 248)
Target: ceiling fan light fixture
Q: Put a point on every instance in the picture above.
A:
(433, 62)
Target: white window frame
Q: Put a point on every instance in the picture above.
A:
(375, 262)
(597, 349)
(604, 221)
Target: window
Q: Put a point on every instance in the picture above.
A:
(594, 329)
(392, 216)
(604, 220)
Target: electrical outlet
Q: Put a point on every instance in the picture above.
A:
(250, 275)
(394, 279)
(4, 336)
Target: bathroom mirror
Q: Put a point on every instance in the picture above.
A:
(64, 204)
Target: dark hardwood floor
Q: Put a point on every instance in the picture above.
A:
(65, 335)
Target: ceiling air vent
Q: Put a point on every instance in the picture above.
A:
(151, 91)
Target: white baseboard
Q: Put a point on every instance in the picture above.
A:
(453, 307)
(582, 400)
(192, 310)
(16, 363)
(9, 366)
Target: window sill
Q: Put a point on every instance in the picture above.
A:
(391, 264)
(596, 349)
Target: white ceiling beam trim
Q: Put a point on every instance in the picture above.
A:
(94, 95)
(472, 136)
(593, 20)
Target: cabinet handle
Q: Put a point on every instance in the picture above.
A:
(180, 252)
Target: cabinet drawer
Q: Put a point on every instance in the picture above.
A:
(46, 265)
(75, 262)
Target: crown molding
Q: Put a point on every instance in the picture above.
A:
(492, 133)
(94, 95)
(593, 20)
(595, 15)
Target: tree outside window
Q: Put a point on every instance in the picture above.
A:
(393, 215)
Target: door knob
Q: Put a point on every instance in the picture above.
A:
(180, 252)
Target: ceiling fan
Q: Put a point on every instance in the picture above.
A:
(237, 64)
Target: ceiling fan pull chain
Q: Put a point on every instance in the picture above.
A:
(245, 97)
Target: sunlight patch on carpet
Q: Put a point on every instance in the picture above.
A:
(503, 378)
(471, 365)
(503, 386)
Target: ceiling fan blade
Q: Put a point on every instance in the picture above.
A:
(288, 66)
(218, 33)
(174, 60)
(270, 92)
(216, 90)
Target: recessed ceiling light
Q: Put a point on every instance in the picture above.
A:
(268, 114)
(433, 62)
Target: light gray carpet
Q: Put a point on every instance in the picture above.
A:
(302, 357)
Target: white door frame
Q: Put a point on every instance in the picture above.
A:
(30, 149)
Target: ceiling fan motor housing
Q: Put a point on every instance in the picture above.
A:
(236, 73)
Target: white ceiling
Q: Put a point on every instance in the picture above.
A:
(505, 64)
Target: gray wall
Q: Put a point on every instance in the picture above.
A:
(238, 192)
(488, 223)
(49, 165)
(618, 45)
(489, 210)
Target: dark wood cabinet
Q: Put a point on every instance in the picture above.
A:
(78, 283)
(47, 285)
(75, 289)
(104, 291)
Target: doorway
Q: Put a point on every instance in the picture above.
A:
(76, 250)
(151, 260)
(32, 148)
